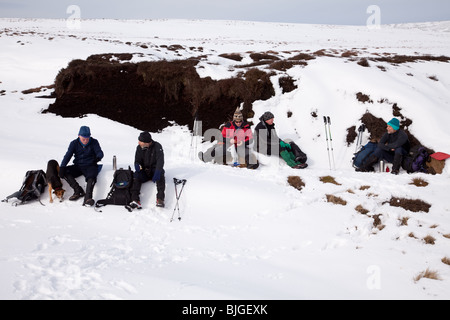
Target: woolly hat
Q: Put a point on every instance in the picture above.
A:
(238, 115)
(267, 116)
(394, 123)
(145, 137)
(85, 132)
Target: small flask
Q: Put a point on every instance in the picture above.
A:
(381, 166)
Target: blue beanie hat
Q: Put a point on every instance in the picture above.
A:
(394, 123)
(85, 132)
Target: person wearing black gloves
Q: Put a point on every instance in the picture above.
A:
(87, 153)
(148, 165)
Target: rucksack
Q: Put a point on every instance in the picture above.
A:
(33, 186)
(300, 156)
(363, 154)
(416, 160)
(120, 193)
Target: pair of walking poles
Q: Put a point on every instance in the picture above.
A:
(177, 182)
(327, 121)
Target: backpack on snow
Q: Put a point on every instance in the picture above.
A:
(299, 154)
(363, 154)
(33, 186)
(416, 160)
(120, 193)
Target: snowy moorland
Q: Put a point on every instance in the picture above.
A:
(243, 234)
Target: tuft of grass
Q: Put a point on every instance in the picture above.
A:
(429, 239)
(329, 179)
(429, 274)
(404, 221)
(419, 182)
(361, 209)
(336, 200)
(363, 62)
(362, 188)
(446, 260)
(377, 222)
(410, 204)
(296, 182)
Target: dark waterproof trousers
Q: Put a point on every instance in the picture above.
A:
(389, 155)
(89, 172)
(140, 177)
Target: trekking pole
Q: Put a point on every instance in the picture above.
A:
(363, 128)
(195, 133)
(177, 206)
(331, 141)
(326, 136)
(358, 138)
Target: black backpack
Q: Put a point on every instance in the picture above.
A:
(33, 186)
(120, 193)
(300, 156)
(416, 160)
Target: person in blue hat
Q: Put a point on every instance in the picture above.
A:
(392, 147)
(87, 153)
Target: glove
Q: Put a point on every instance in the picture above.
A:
(62, 172)
(285, 145)
(137, 167)
(156, 176)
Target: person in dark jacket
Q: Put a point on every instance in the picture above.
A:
(268, 143)
(392, 147)
(87, 153)
(149, 165)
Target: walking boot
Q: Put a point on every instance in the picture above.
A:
(88, 201)
(160, 203)
(78, 191)
(368, 164)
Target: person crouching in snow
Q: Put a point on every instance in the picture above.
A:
(393, 146)
(87, 152)
(268, 143)
(149, 165)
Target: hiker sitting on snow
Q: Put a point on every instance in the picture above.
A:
(268, 143)
(149, 165)
(236, 138)
(87, 152)
(393, 146)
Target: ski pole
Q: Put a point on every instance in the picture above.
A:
(194, 139)
(331, 141)
(326, 136)
(362, 127)
(177, 206)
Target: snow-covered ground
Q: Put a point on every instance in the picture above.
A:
(243, 234)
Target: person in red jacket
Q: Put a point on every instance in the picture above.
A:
(236, 139)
